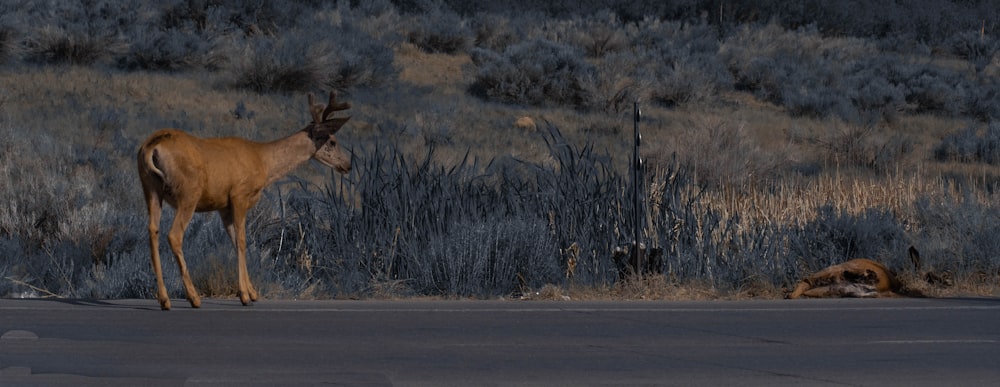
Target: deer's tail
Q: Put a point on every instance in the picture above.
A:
(149, 155)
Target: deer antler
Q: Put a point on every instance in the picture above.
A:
(322, 113)
(333, 106)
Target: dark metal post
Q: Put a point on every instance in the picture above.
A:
(640, 258)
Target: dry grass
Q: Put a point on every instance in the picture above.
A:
(794, 202)
(49, 98)
(446, 73)
(217, 278)
(52, 97)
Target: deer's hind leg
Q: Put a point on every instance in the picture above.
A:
(155, 207)
(176, 238)
(819, 284)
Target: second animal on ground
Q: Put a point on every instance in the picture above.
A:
(863, 277)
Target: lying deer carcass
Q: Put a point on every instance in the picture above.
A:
(855, 278)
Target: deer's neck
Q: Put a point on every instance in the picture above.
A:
(284, 155)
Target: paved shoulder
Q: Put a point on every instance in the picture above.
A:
(862, 342)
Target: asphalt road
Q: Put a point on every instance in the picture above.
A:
(873, 342)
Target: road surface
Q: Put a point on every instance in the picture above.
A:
(862, 342)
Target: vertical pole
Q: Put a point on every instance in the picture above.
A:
(636, 194)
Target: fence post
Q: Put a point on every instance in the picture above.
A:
(640, 257)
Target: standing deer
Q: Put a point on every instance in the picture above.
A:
(226, 175)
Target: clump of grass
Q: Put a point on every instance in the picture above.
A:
(844, 145)
(722, 154)
(304, 60)
(86, 33)
(599, 34)
(439, 31)
(970, 146)
(497, 32)
(8, 47)
(173, 50)
(286, 64)
(57, 45)
(536, 73)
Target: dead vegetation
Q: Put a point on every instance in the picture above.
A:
(755, 163)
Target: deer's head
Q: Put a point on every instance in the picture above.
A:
(322, 129)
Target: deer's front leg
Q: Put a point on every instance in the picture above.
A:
(235, 222)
